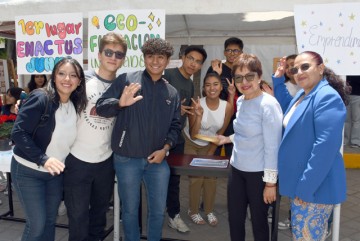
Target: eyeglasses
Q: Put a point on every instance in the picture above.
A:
(118, 54)
(240, 78)
(303, 68)
(192, 60)
(233, 51)
(62, 75)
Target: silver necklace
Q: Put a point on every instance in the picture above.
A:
(66, 107)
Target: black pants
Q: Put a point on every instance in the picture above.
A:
(88, 188)
(246, 188)
(173, 198)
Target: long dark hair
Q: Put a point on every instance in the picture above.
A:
(334, 80)
(78, 96)
(32, 84)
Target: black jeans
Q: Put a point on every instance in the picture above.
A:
(173, 195)
(88, 188)
(246, 188)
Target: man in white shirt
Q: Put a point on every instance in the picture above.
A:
(89, 174)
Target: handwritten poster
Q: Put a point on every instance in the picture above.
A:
(42, 40)
(333, 31)
(136, 26)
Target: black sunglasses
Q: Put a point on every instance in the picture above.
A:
(303, 67)
(118, 54)
(249, 77)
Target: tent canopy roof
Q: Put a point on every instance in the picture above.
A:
(186, 18)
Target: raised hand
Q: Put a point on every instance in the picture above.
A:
(216, 65)
(281, 68)
(231, 87)
(197, 107)
(185, 109)
(128, 96)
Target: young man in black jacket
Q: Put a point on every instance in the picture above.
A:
(147, 126)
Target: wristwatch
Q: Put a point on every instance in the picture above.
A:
(166, 151)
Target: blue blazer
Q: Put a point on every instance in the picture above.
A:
(310, 164)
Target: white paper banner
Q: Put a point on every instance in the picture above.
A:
(136, 26)
(333, 31)
(42, 40)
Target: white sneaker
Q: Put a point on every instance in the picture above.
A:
(62, 209)
(178, 224)
(328, 233)
(286, 224)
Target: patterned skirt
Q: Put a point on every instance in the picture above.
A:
(309, 221)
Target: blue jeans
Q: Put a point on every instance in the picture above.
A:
(40, 194)
(130, 172)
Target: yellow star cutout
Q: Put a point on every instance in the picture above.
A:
(151, 16)
(303, 23)
(150, 26)
(351, 53)
(326, 61)
(352, 17)
(158, 22)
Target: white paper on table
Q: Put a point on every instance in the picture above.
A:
(202, 162)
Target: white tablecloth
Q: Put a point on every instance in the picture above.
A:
(5, 160)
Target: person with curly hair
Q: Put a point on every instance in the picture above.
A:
(147, 111)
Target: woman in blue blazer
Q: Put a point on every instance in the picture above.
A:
(311, 167)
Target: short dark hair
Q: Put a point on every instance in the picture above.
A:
(234, 40)
(15, 92)
(292, 56)
(198, 49)
(248, 61)
(157, 46)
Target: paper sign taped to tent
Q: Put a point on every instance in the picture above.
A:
(332, 30)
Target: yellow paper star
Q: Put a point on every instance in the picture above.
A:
(152, 17)
(150, 26)
(352, 17)
(158, 22)
(303, 23)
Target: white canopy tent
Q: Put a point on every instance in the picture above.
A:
(267, 28)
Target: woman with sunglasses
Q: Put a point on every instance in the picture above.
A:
(311, 167)
(253, 176)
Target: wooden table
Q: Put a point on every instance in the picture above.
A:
(180, 165)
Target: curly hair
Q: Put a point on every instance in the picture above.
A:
(78, 96)
(334, 80)
(157, 46)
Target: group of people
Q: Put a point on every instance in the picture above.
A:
(75, 135)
